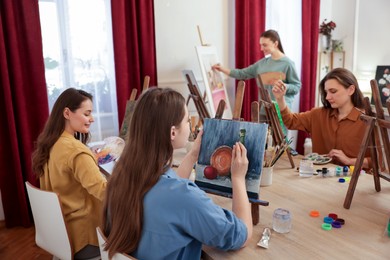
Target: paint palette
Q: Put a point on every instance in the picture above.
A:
(318, 159)
(109, 150)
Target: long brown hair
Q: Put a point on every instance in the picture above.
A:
(55, 125)
(273, 36)
(146, 156)
(345, 78)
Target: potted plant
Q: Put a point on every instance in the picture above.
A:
(326, 29)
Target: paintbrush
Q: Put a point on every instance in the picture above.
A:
(269, 155)
(283, 147)
(274, 154)
(277, 158)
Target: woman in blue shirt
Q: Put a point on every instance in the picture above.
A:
(152, 212)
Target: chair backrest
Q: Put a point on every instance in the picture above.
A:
(103, 253)
(50, 229)
(102, 243)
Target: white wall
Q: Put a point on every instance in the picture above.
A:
(343, 14)
(372, 39)
(361, 24)
(176, 37)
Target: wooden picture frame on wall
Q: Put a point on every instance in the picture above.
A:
(337, 59)
(213, 81)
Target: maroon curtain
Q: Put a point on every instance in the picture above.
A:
(310, 27)
(134, 47)
(23, 103)
(250, 23)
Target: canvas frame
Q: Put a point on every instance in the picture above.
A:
(213, 81)
(218, 133)
(382, 76)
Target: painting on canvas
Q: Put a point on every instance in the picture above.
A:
(213, 167)
(213, 81)
(382, 76)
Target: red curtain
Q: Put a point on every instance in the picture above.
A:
(250, 23)
(23, 103)
(134, 47)
(310, 27)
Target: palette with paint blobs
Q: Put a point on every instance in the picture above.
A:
(109, 150)
(318, 159)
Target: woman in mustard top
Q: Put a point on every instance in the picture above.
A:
(66, 166)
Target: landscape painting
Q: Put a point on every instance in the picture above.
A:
(213, 167)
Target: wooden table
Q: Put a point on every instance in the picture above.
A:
(362, 237)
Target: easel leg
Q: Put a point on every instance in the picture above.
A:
(290, 157)
(358, 164)
(255, 213)
(374, 159)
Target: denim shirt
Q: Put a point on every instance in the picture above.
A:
(179, 217)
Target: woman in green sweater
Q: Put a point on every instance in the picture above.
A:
(274, 68)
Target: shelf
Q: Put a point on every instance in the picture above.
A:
(328, 60)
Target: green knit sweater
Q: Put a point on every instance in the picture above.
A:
(271, 70)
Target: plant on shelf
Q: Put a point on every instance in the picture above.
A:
(326, 29)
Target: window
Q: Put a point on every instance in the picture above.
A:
(78, 52)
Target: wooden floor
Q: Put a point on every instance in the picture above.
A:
(19, 243)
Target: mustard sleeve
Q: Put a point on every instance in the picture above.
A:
(88, 174)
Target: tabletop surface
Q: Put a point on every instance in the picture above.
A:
(362, 237)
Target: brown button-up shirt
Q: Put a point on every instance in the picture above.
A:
(326, 131)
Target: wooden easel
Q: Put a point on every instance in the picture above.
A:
(255, 203)
(197, 98)
(123, 133)
(270, 110)
(220, 109)
(200, 37)
(255, 111)
(237, 105)
(145, 86)
(239, 99)
(375, 137)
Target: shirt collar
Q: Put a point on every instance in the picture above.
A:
(170, 173)
(354, 115)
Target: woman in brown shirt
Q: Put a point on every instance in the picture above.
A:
(335, 128)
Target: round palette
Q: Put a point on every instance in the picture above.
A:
(318, 159)
(221, 160)
(109, 150)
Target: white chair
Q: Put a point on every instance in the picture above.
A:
(103, 253)
(50, 230)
